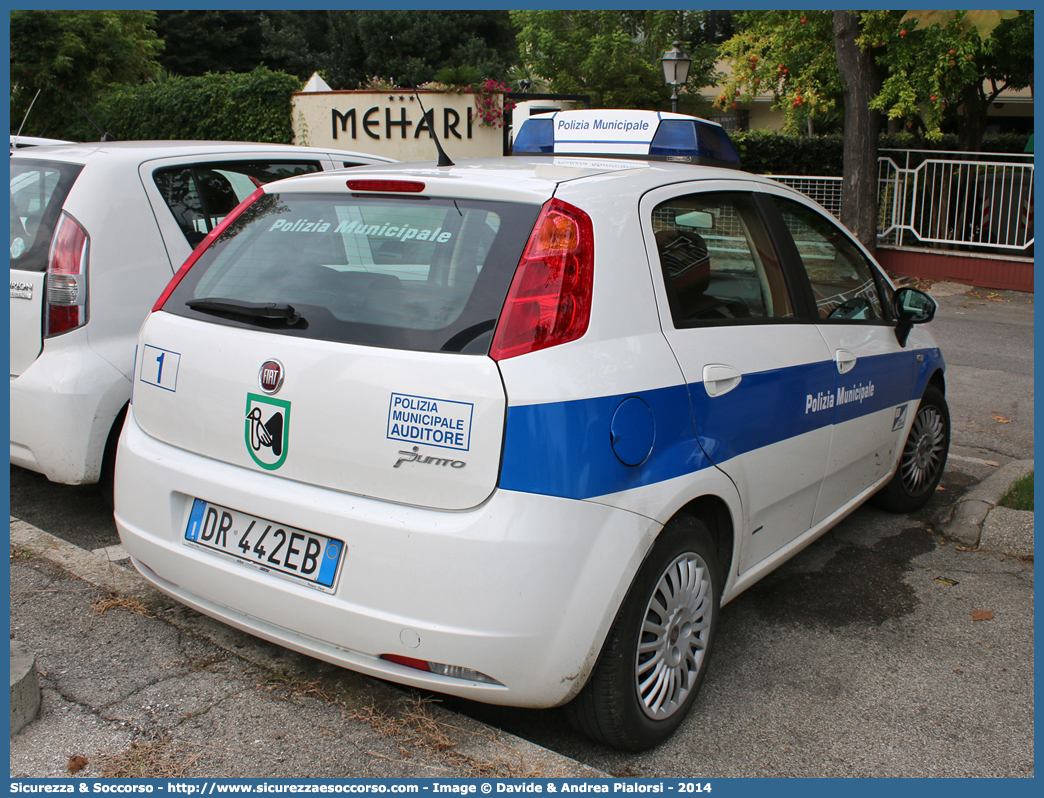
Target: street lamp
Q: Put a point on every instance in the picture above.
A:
(675, 63)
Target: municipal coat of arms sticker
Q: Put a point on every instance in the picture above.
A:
(267, 430)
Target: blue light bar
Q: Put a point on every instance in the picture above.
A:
(648, 135)
(536, 136)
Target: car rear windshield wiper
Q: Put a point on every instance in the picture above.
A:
(262, 313)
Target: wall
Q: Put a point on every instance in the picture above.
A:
(389, 123)
(984, 271)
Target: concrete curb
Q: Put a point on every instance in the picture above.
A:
(25, 687)
(1008, 531)
(964, 520)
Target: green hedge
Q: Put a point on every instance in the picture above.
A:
(772, 153)
(224, 107)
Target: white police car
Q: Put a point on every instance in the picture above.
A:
(515, 429)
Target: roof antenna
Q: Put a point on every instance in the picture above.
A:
(443, 157)
(105, 136)
(19, 133)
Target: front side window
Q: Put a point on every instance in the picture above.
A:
(201, 195)
(843, 282)
(409, 273)
(717, 260)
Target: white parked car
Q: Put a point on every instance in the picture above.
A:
(97, 231)
(515, 429)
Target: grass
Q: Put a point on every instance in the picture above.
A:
(114, 601)
(413, 723)
(20, 554)
(1020, 494)
(149, 759)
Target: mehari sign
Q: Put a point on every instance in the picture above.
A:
(390, 123)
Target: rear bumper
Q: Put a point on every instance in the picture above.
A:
(62, 408)
(522, 588)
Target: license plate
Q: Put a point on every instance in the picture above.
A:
(265, 545)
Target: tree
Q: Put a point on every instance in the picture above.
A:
(614, 56)
(937, 68)
(72, 56)
(859, 81)
(884, 61)
(949, 65)
(198, 42)
(350, 47)
(787, 53)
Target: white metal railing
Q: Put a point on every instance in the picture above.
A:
(824, 190)
(932, 198)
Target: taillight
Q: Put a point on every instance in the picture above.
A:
(409, 662)
(202, 246)
(66, 298)
(453, 671)
(408, 186)
(549, 302)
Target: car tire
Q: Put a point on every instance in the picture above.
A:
(657, 653)
(107, 478)
(923, 458)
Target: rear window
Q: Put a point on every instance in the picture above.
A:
(401, 272)
(38, 191)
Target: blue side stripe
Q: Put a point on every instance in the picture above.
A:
(564, 448)
(765, 408)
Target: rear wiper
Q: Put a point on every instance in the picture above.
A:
(258, 312)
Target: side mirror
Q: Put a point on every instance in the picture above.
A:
(697, 219)
(911, 306)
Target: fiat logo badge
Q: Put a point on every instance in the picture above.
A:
(271, 376)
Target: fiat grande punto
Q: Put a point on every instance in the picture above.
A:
(515, 429)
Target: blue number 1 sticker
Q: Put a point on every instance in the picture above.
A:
(159, 367)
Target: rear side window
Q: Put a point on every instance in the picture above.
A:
(38, 191)
(407, 273)
(717, 260)
(201, 195)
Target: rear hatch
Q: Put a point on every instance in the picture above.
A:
(340, 339)
(38, 191)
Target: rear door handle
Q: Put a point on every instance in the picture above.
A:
(719, 379)
(845, 361)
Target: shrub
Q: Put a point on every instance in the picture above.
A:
(769, 152)
(253, 106)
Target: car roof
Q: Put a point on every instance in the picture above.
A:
(34, 141)
(515, 177)
(148, 150)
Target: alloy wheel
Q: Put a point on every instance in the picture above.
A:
(924, 451)
(673, 640)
